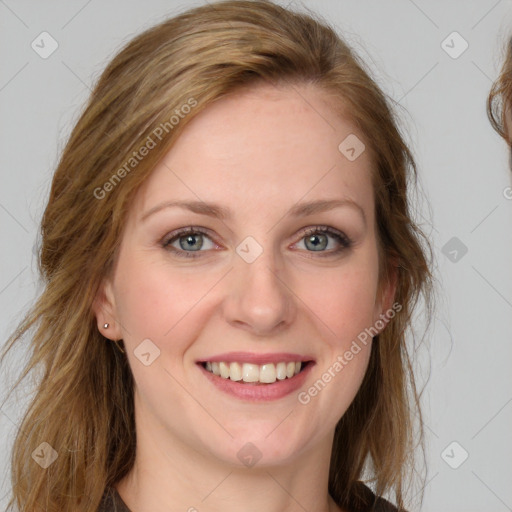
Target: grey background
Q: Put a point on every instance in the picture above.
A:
(463, 167)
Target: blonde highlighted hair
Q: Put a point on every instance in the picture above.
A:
(83, 405)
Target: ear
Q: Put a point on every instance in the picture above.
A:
(385, 296)
(104, 307)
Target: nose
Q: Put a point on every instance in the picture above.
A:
(258, 298)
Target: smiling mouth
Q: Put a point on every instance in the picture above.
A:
(249, 373)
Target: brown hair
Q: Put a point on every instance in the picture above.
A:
(499, 101)
(83, 405)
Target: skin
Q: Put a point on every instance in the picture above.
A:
(258, 152)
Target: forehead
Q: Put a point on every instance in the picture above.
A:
(263, 146)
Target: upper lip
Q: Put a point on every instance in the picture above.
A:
(254, 358)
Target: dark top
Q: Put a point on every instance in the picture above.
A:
(112, 502)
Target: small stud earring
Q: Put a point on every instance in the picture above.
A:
(105, 326)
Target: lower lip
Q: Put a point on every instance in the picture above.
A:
(259, 392)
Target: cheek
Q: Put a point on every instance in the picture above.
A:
(154, 300)
(343, 314)
(342, 301)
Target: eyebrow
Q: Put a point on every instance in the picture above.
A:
(223, 213)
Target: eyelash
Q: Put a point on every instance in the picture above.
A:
(341, 238)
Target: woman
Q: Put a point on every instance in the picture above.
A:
(231, 212)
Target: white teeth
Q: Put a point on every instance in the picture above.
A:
(235, 371)
(268, 373)
(248, 372)
(224, 370)
(280, 371)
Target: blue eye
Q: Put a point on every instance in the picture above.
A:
(187, 241)
(317, 240)
(190, 240)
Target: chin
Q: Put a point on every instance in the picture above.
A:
(263, 444)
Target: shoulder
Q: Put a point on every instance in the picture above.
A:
(364, 499)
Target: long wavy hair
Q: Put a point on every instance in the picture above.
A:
(83, 401)
(499, 101)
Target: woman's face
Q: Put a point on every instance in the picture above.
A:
(257, 280)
